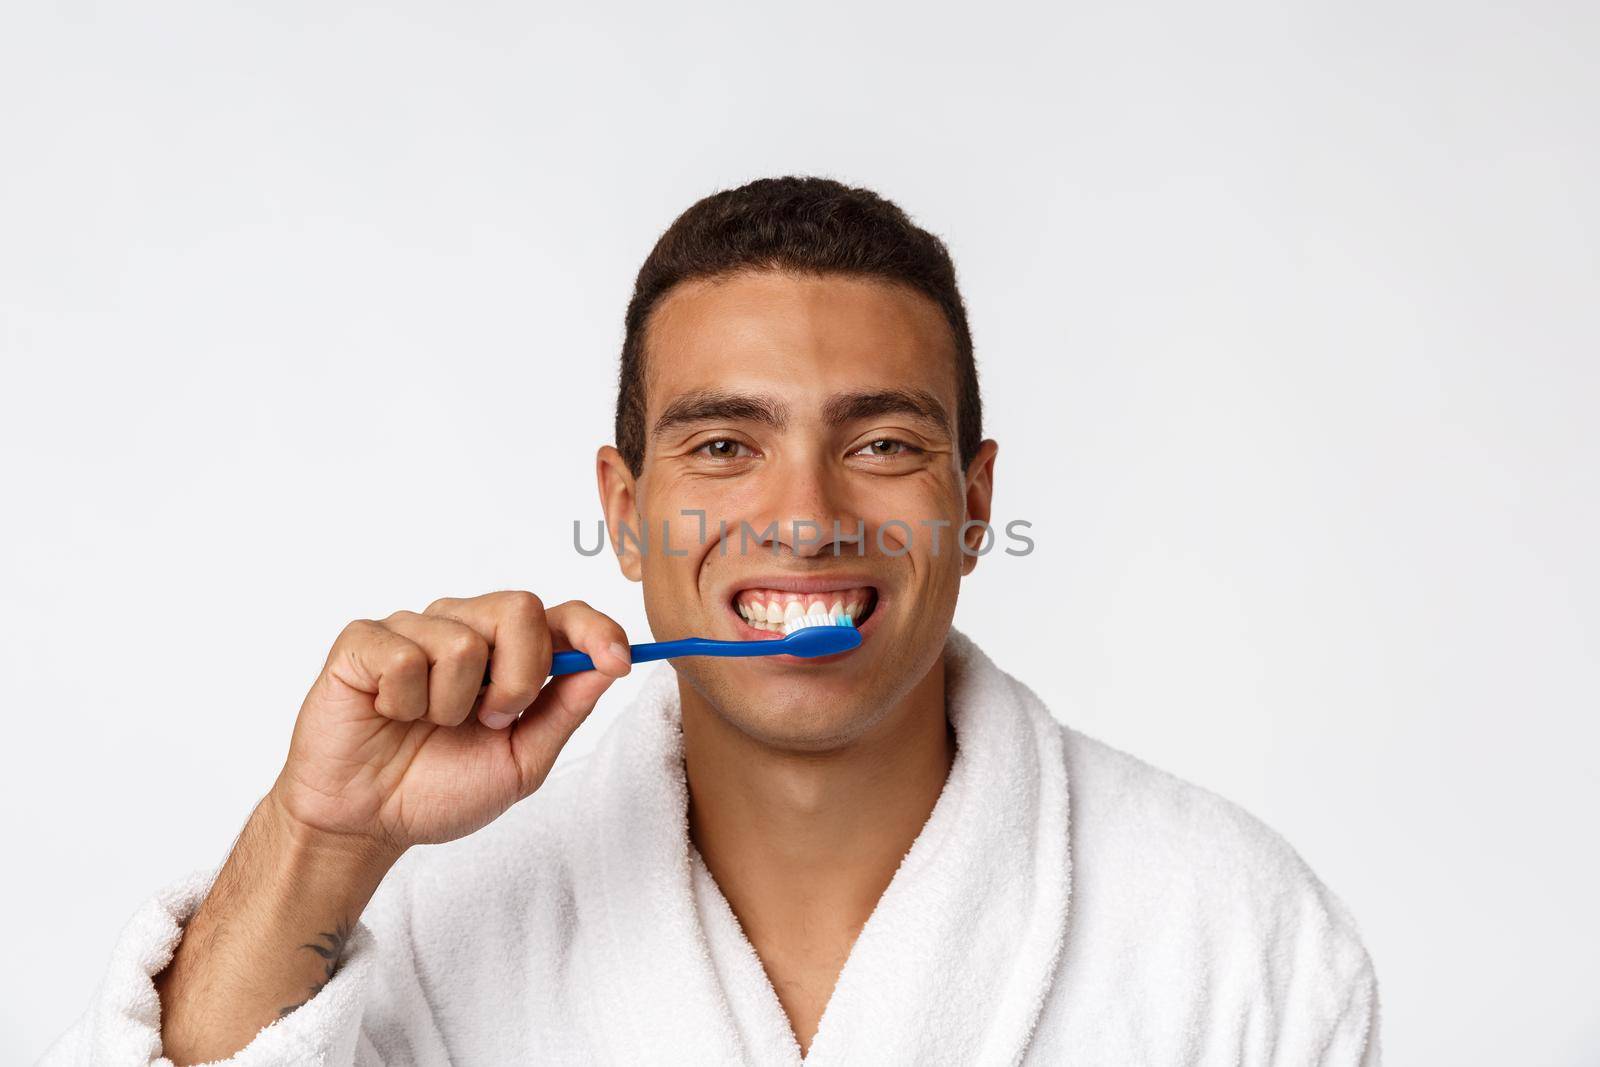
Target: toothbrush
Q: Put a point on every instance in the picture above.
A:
(807, 636)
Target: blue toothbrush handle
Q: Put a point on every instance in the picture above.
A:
(572, 661)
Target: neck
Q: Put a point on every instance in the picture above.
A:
(802, 844)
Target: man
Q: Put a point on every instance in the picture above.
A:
(893, 855)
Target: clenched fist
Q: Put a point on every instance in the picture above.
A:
(400, 741)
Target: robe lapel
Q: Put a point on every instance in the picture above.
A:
(954, 963)
(657, 999)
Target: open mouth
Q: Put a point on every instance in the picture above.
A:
(767, 610)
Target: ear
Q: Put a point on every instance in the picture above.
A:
(619, 499)
(980, 497)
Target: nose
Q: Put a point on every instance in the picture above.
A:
(806, 511)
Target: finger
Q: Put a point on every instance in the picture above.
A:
(577, 625)
(566, 702)
(457, 654)
(544, 728)
(390, 668)
(514, 623)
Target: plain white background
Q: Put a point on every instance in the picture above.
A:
(1287, 322)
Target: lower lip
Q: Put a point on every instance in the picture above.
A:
(750, 633)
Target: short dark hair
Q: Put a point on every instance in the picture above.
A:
(801, 224)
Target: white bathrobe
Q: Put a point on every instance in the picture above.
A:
(1064, 903)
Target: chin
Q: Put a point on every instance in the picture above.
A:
(794, 709)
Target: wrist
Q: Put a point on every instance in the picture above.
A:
(300, 846)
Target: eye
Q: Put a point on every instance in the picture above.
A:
(723, 448)
(885, 447)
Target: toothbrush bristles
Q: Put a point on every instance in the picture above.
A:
(806, 621)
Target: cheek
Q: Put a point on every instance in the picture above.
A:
(671, 598)
(671, 546)
(913, 517)
(700, 509)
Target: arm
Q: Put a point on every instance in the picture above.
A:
(269, 935)
(421, 728)
(1330, 1011)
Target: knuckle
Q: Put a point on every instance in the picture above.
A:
(522, 605)
(439, 606)
(356, 629)
(467, 644)
(578, 612)
(408, 657)
(518, 692)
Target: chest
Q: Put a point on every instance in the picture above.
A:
(804, 979)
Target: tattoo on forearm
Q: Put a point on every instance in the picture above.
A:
(330, 947)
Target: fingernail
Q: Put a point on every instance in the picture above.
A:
(496, 720)
(622, 652)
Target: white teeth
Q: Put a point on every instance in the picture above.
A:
(777, 611)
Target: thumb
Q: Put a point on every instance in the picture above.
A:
(539, 735)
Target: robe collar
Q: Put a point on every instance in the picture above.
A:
(954, 963)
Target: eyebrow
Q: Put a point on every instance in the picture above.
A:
(852, 407)
(721, 407)
(711, 406)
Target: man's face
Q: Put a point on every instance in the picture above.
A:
(811, 419)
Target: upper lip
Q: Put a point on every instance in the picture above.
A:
(815, 584)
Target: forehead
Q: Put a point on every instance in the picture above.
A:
(802, 337)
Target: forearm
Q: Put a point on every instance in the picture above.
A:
(269, 934)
